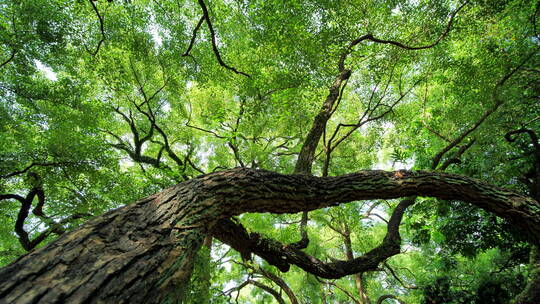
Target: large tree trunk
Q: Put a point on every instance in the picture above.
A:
(129, 255)
(143, 252)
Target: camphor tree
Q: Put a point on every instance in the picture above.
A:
(262, 127)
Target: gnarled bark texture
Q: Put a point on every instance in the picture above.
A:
(143, 252)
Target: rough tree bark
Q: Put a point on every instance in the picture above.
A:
(143, 252)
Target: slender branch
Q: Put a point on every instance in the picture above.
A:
(140, 85)
(372, 207)
(214, 43)
(393, 273)
(487, 113)
(276, 279)
(55, 228)
(269, 290)
(345, 291)
(13, 51)
(135, 152)
(430, 129)
(169, 149)
(456, 159)
(233, 139)
(367, 116)
(346, 234)
(206, 131)
(101, 28)
(370, 37)
(194, 36)
(237, 288)
(54, 164)
(380, 217)
(534, 119)
(424, 122)
(158, 90)
(232, 143)
(188, 161)
(236, 153)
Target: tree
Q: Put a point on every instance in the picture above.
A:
(227, 110)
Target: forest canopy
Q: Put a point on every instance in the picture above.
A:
(251, 151)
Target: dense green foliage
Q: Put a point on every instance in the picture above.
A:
(101, 104)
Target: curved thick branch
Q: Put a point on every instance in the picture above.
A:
(158, 236)
(534, 138)
(27, 243)
(296, 193)
(282, 255)
(24, 211)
